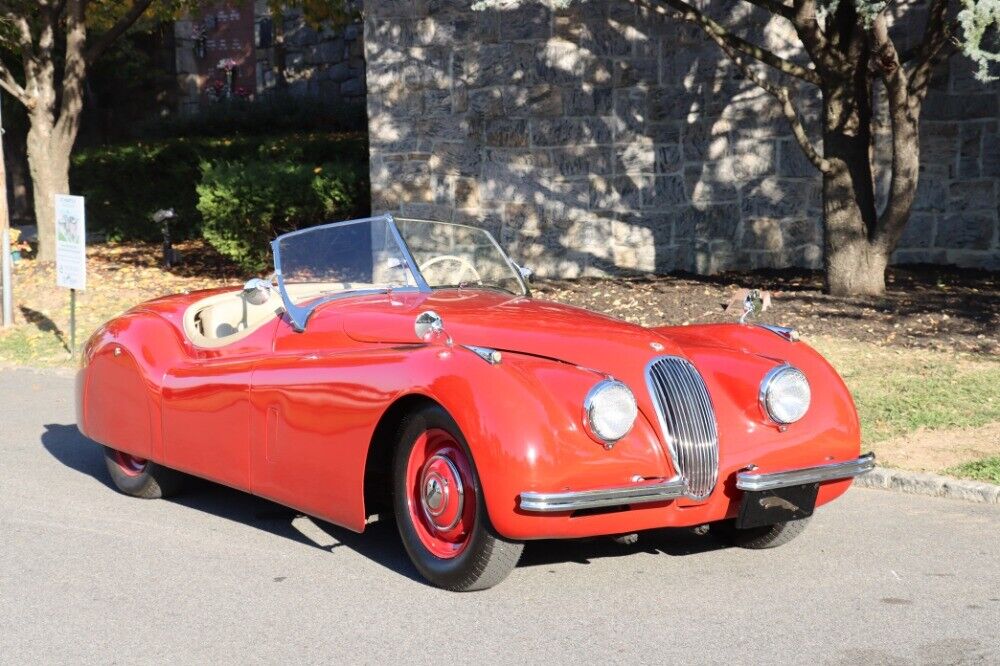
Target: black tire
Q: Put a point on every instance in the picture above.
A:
(488, 558)
(153, 481)
(757, 538)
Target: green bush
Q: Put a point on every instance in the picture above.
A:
(246, 204)
(125, 184)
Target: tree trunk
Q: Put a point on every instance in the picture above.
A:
(48, 161)
(855, 262)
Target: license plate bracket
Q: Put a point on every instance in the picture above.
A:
(769, 507)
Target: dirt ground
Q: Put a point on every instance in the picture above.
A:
(928, 307)
(935, 450)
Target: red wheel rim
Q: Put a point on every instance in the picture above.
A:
(131, 465)
(440, 493)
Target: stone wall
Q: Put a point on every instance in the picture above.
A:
(602, 138)
(291, 57)
(328, 63)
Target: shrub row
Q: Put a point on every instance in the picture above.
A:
(245, 205)
(237, 190)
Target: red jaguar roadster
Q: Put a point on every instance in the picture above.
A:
(402, 366)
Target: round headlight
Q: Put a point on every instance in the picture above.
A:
(609, 411)
(785, 394)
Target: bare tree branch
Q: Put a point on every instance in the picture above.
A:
(124, 23)
(16, 90)
(776, 7)
(807, 26)
(724, 38)
(779, 92)
(937, 35)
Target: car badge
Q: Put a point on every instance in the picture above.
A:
(656, 346)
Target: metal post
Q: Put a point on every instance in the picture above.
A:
(8, 287)
(72, 323)
(6, 276)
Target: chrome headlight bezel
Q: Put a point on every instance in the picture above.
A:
(770, 384)
(591, 421)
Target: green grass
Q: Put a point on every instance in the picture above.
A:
(898, 391)
(981, 470)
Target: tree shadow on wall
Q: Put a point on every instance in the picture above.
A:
(601, 138)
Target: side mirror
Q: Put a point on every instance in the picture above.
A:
(257, 291)
(525, 272)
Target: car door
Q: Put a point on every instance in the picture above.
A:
(205, 405)
(314, 406)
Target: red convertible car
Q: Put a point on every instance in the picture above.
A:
(401, 366)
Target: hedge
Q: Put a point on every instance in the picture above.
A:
(126, 184)
(246, 204)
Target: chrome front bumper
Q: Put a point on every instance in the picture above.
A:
(596, 499)
(675, 487)
(798, 477)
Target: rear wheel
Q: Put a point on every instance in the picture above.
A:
(439, 507)
(140, 477)
(756, 538)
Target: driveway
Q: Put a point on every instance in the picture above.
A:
(89, 575)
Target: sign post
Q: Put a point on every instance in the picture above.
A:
(71, 253)
(5, 259)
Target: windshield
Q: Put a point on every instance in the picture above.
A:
(380, 254)
(456, 255)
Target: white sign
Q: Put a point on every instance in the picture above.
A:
(71, 247)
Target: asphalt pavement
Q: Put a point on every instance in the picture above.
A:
(88, 575)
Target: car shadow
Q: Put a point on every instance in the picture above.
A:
(380, 541)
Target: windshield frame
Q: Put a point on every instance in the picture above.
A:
(298, 315)
(511, 264)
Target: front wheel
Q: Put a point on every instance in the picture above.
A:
(756, 538)
(439, 507)
(140, 477)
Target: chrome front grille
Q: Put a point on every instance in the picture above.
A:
(687, 421)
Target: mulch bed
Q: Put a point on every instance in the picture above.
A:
(929, 307)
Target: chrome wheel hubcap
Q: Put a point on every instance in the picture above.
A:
(442, 499)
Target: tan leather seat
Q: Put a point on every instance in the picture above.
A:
(222, 319)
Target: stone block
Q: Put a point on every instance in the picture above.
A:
(706, 222)
(570, 131)
(777, 197)
(509, 132)
(970, 148)
(667, 191)
(991, 155)
(972, 195)
(710, 182)
(466, 192)
(339, 72)
(576, 161)
(634, 71)
(637, 156)
(792, 161)
(932, 195)
(618, 192)
(918, 232)
(529, 21)
(668, 158)
(967, 231)
(942, 106)
(352, 88)
(763, 233)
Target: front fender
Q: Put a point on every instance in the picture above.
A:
(522, 419)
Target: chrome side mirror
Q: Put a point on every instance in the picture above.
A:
(257, 291)
(525, 272)
(427, 324)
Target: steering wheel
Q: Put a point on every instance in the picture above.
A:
(466, 265)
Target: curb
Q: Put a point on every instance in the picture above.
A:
(933, 485)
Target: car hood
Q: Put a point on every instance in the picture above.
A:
(516, 324)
